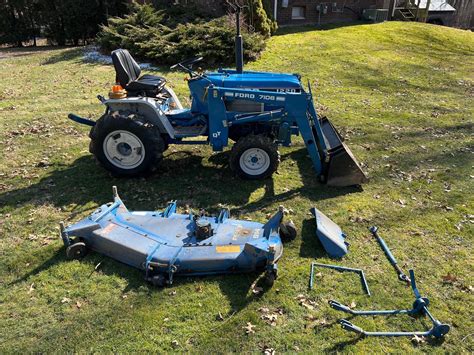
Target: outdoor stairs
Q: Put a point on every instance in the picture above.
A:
(406, 14)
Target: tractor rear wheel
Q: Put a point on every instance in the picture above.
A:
(126, 145)
(254, 157)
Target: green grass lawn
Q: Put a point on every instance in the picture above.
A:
(402, 94)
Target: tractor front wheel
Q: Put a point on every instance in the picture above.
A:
(126, 144)
(254, 157)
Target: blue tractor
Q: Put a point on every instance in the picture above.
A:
(257, 110)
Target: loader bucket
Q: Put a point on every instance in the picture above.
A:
(342, 168)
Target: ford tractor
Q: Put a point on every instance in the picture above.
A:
(258, 111)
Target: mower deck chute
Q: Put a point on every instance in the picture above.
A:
(167, 243)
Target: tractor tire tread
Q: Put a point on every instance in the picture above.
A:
(149, 134)
(255, 140)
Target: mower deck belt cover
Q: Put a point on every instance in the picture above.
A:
(167, 243)
(330, 235)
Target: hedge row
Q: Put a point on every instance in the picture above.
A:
(156, 36)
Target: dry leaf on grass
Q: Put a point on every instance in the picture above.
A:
(268, 351)
(65, 300)
(305, 302)
(449, 278)
(353, 304)
(249, 328)
(270, 318)
(314, 321)
(78, 304)
(418, 340)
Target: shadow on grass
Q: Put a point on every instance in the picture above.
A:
(310, 244)
(83, 185)
(236, 286)
(65, 55)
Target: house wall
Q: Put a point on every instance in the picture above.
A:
(345, 11)
(351, 9)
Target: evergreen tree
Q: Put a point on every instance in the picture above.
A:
(18, 21)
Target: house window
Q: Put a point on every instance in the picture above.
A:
(297, 13)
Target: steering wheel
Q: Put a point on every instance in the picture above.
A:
(187, 64)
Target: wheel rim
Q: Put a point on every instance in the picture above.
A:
(124, 149)
(254, 161)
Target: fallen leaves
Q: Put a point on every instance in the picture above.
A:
(315, 321)
(256, 290)
(175, 343)
(357, 219)
(249, 328)
(449, 278)
(270, 317)
(305, 302)
(268, 351)
(418, 340)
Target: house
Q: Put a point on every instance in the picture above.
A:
(298, 12)
(320, 12)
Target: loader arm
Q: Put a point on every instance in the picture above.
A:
(332, 159)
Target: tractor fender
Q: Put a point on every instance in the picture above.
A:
(145, 107)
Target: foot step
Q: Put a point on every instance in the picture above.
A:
(192, 131)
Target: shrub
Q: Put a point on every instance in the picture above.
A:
(150, 35)
(257, 14)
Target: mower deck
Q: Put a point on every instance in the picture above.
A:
(167, 243)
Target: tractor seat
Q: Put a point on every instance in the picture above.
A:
(128, 76)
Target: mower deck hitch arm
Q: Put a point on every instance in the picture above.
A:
(420, 307)
(401, 275)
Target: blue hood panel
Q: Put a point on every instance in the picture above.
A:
(255, 80)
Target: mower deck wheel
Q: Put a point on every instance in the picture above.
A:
(270, 277)
(158, 280)
(76, 251)
(288, 231)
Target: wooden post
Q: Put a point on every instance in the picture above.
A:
(417, 13)
(391, 9)
(427, 10)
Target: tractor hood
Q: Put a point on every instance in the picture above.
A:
(255, 80)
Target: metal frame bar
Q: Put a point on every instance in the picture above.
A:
(360, 272)
(420, 307)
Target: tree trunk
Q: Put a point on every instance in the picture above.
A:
(464, 13)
